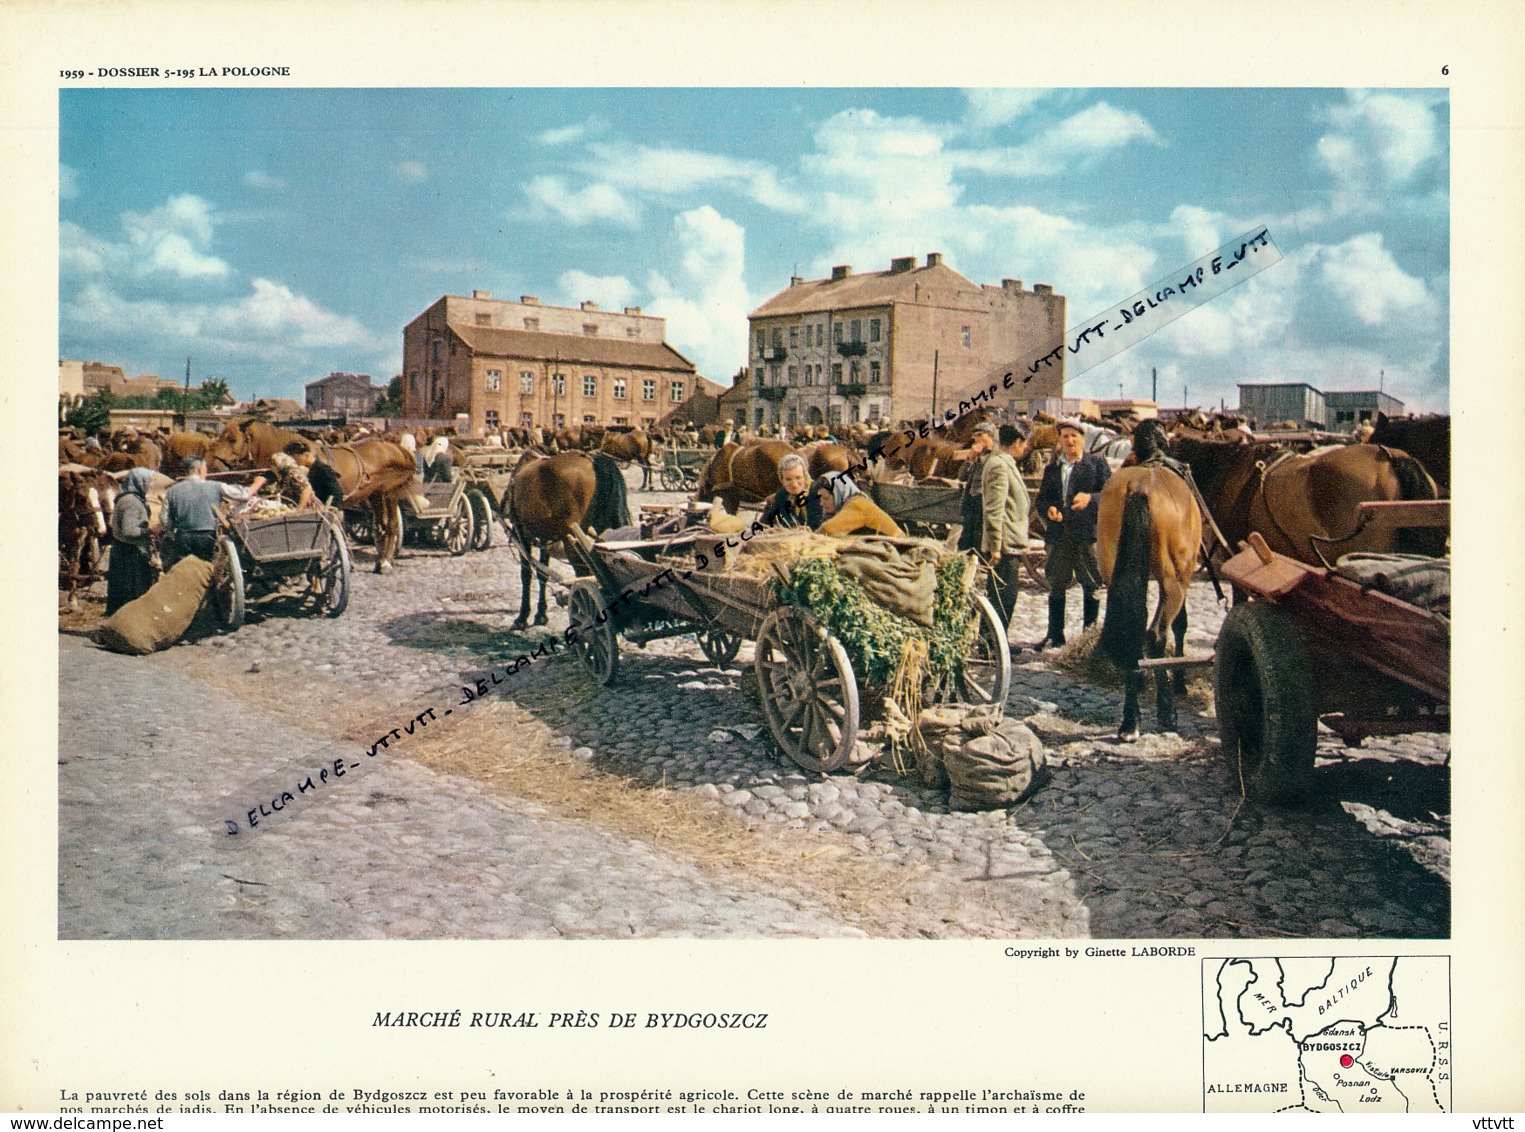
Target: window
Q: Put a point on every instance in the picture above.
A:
(589, 385)
(794, 414)
(559, 420)
(484, 318)
(632, 332)
(820, 334)
(589, 418)
(621, 420)
(836, 334)
(590, 328)
(964, 331)
(873, 330)
(873, 373)
(526, 381)
(494, 380)
(836, 373)
(648, 423)
(677, 391)
(834, 414)
(621, 387)
(532, 324)
(761, 340)
(778, 337)
(436, 349)
(773, 374)
(527, 420)
(413, 382)
(757, 377)
(559, 385)
(794, 337)
(757, 417)
(794, 375)
(857, 330)
(648, 389)
(492, 420)
(852, 413)
(853, 371)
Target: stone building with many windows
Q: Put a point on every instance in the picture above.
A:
(508, 364)
(342, 394)
(868, 347)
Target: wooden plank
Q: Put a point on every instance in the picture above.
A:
(1197, 660)
(1400, 513)
(1279, 578)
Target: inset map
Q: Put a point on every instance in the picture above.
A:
(1346, 1034)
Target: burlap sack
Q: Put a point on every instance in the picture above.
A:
(161, 616)
(994, 770)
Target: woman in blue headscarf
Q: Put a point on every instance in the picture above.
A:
(129, 574)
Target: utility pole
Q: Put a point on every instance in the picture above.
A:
(934, 386)
(185, 397)
(1154, 385)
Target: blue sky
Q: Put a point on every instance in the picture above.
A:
(275, 235)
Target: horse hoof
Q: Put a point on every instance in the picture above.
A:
(542, 619)
(1128, 736)
(518, 626)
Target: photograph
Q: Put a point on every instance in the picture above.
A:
(706, 574)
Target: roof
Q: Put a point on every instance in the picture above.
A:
(872, 288)
(572, 348)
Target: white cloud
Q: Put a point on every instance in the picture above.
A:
(259, 179)
(668, 171)
(990, 107)
(581, 206)
(610, 291)
(561, 135)
(410, 172)
(1379, 143)
(169, 240)
(1363, 275)
(1096, 130)
(68, 182)
(707, 303)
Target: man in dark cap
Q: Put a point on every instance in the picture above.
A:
(1004, 515)
(1067, 502)
(981, 444)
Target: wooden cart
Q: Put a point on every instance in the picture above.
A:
(1306, 645)
(301, 553)
(487, 475)
(680, 467)
(645, 590)
(932, 509)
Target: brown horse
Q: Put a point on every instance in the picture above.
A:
(85, 499)
(1148, 526)
(179, 445)
(822, 458)
(1427, 439)
(628, 446)
(375, 472)
(247, 444)
(739, 473)
(1306, 506)
(549, 496)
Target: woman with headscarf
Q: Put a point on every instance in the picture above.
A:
(437, 462)
(130, 573)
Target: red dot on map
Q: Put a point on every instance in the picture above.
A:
(1346, 1060)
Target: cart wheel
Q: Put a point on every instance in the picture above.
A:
(335, 574)
(359, 528)
(597, 645)
(228, 581)
(720, 645)
(456, 528)
(986, 675)
(1035, 571)
(672, 479)
(481, 520)
(1267, 718)
(809, 692)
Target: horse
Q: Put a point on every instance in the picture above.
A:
(1427, 439)
(248, 444)
(628, 446)
(550, 495)
(85, 499)
(379, 473)
(1148, 526)
(1304, 503)
(822, 458)
(177, 446)
(742, 473)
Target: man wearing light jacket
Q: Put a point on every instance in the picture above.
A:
(1005, 513)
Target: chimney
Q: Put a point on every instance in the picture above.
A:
(1042, 289)
(529, 300)
(841, 271)
(934, 259)
(1011, 284)
(632, 310)
(795, 280)
(481, 294)
(589, 305)
(904, 263)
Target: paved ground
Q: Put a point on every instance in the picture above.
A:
(659, 808)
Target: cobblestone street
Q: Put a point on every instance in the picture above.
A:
(500, 823)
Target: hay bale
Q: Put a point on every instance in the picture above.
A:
(161, 616)
(992, 770)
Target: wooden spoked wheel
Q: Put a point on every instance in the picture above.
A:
(809, 692)
(481, 520)
(334, 572)
(986, 674)
(597, 645)
(228, 580)
(456, 528)
(720, 645)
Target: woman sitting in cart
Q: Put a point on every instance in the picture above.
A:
(838, 506)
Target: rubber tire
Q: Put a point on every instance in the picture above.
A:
(1267, 711)
(481, 520)
(233, 586)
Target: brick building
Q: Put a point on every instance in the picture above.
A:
(523, 363)
(342, 394)
(865, 347)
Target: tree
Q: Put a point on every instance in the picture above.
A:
(93, 413)
(389, 404)
(214, 392)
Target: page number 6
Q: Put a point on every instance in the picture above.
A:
(1446, 70)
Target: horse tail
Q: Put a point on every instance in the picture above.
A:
(610, 507)
(1414, 482)
(1124, 627)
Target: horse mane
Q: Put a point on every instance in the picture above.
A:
(609, 508)
(1124, 627)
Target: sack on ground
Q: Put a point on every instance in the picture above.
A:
(161, 616)
(992, 770)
